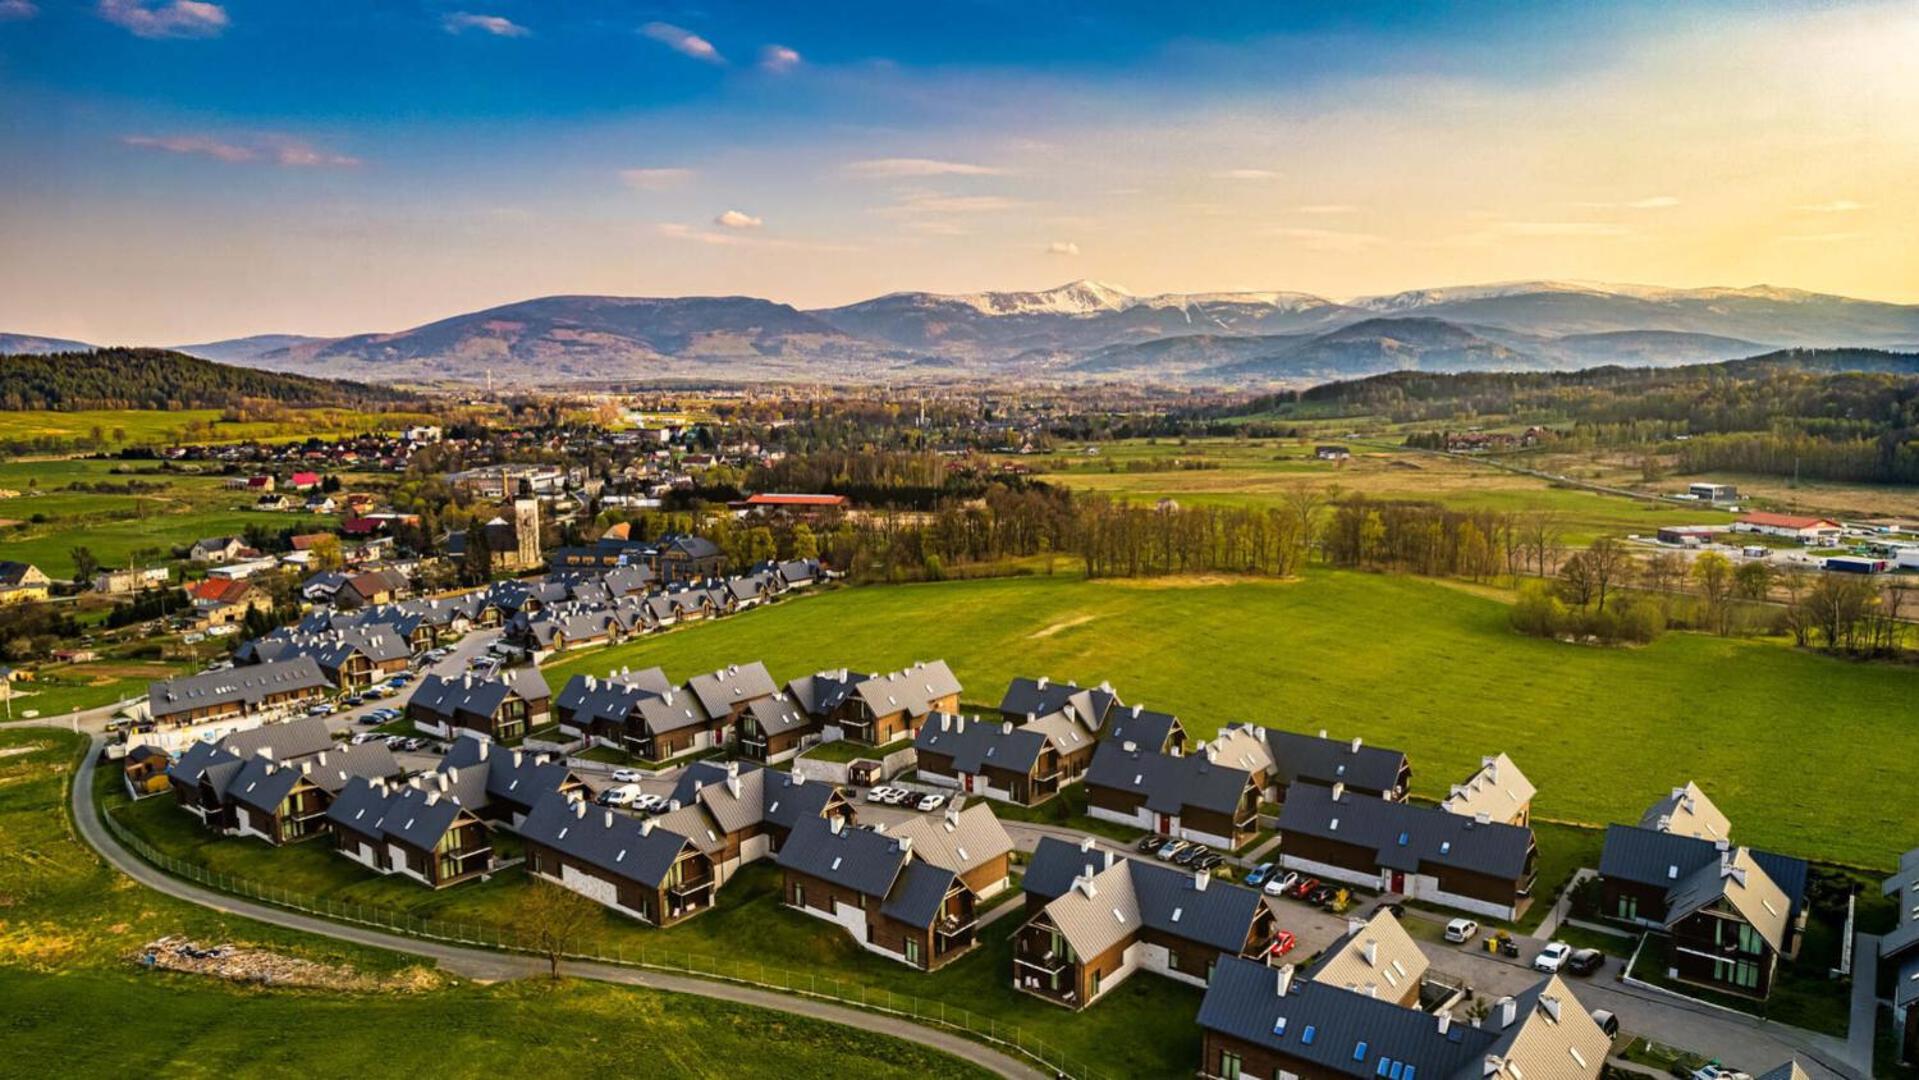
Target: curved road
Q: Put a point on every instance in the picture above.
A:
(488, 965)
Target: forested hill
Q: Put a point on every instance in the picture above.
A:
(163, 379)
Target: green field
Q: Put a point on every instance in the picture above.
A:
(1260, 472)
(77, 1005)
(1779, 738)
(147, 427)
(60, 688)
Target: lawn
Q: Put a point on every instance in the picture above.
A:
(748, 931)
(147, 427)
(47, 546)
(76, 1004)
(1802, 995)
(846, 750)
(1404, 662)
(61, 688)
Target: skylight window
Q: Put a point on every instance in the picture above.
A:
(1306, 1037)
(1279, 1027)
(1359, 1051)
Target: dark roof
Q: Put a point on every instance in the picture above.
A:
(1142, 727)
(777, 715)
(1406, 836)
(510, 776)
(1055, 863)
(858, 859)
(1170, 782)
(917, 896)
(824, 691)
(419, 817)
(359, 806)
(1039, 697)
(1169, 899)
(1654, 857)
(444, 696)
(911, 690)
(589, 697)
(195, 760)
(284, 742)
(765, 795)
(618, 845)
(1330, 761)
(973, 744)
(262, 782)
(248, 684)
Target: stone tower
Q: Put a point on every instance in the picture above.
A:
(526, 531)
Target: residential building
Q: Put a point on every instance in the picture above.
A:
(639, 868)
(412, 829)
(889, 707)
(260, 691)
(503, 708)
(880, 890)
(221, 603)
(1375, 957)
(131, 580)
(201, 775)
(739, 813)
(1899, 951)
(1497, 790)
(500, 784)
(773, 729)
(216, 549)
(281, 801)
(1473, 864)
(1020, 764)
(969, 841)
(1094, 918)
(1190, 796)
(21, 582)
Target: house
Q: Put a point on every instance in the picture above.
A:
(771, 729)
(281, 801)
(739, 813)
(1190, 796)
(371, 588)
(274, 503)
(411, 829)
(1899, 951)
(257, 691)
(829, 697)
(682, 557)
(502, 785)
(145, 771)
(725, 694)
(1094, 918)
(607, 709)
(890, 898)
(1497, 789)
(1257, 1021)
(889, 707)
(503, 708)
(1474, 864)
(1733, 912)
(304, 481)
(767, 503)
(1096, 711)
(639, 868)
(1375, 957)
(1322, 762)
(968, 841)
(999, 760)
(216, 549)
(1807, 530)
(220, 603)
(200, 775)
(1331, 453)
(130, 580)
(21, 582)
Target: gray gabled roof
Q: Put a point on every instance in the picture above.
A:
(248, 685)
(262, 783)
(824, 691)
(719, 692)
(959, 840)
(1736, 880)
(1405, 836)
(197, 759)
(672, 711)
(911, 690)
(283, 742)
(1330, 761)
(614, 697)
(1030, 697)
(862, 860)
(777, 715)
(1141, 726)
(1163, 898)
(513, 777)
(447, 696)
(1171, 782)
(420, 817)
(360, 806)
(1665, 859)
(974, 745)
(768, 796)
(617, 845)
(918, 894)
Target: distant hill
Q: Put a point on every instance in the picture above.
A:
(161, 379)
(245, 349)
(29, 345)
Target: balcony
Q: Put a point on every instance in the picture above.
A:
(689, 888)
(955, 925)
(1051, 963)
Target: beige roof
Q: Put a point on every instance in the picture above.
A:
(694, 823)
(1552, 1035)
(735, 802)
(1066, 733)
(1687, 812)
(1241, 747)
(1098, 912)
(957, 840)
(1497, 790)
(1377, 958)
(1743, 884)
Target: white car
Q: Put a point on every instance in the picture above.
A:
(930, 803)
(649, 803)
(1460, 931)
(619, 796)
(880, 794)
(1279, 883)
(1552, 957)
(626, 776)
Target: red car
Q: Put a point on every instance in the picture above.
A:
(1283, 943)
(1304, 888)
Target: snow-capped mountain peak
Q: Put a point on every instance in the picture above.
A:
(1073, 298)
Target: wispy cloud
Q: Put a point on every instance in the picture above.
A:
(283, 150)
(17, 9)
(168, 19)
(683, 41)
(1327, 239)
(497, 25)
(674, 230)
(1246, 174)
(1562, 228)
(1326, 209)
(1062, 247)
(779, 59)
(1654, 202)
(1836, 206)
(738, 219)
(908, 167)
(655, 179)
(934, 202)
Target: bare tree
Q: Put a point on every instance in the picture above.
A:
(1713, 573)
(1609, 565)
(555, 919)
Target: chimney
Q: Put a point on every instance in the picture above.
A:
(946, 722)
(1339, 789)
(1354, 925)
(1043, 681)
(672, 804)
(1356, 744)
(646, 826)
(732, 768)
(1483, 818)
(516, 759)
(1006, 728)
(1445, 1022)
(1370, 950)
(1508, 1012)
(952, 817)
(1285, 980)
(1200, 878)
(579, 809)
(906, 844)
(609, 819)
(306, 768)
(1551, 1005)
(1086, 843)
(483, 747)
(1110, 858)
(1322, 733)
(1084, 883)
(836, 824)
(733, 786)
(432, 797)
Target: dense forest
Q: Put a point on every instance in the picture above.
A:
(163, 379)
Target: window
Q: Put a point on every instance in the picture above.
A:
(1306, 1037)
(799, 895)
(1629, 907)
(1228, 1065)
(912, 952)
(1359, 1051)
(1093, 992)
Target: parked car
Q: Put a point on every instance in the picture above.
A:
(1258, 874)
(352, 700)
(620, 796)
(414, 744)
(1171, 848)
(1585, 961)
(1186, 857)
(1716, 1071)
(930, 803)
(626, 776)
(1552, 957)
(1208, 861)
(1460, 931)
(1283, 943)
(324, 708)
(650, 803)
(1303, 888)
(1322, 896)
(360, 737)
(1278, 886)
(900, 797)
(878, 794)
(1151, 843)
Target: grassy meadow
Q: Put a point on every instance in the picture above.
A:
(147, 427)
(78, 1005)
(1778, 737)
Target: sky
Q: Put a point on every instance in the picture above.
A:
(177, 171)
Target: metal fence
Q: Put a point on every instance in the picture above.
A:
(1010, 1038)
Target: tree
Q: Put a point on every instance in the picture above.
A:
(326, 552)
(1712, 573)
(805, 544)
(554, 919)
(1609, 564)
(84, 563)
(1753, 580)
(476, 568)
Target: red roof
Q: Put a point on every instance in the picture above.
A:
(305, 541)
(1787, 521)
(218, 591)
(770, 499)
(359, 526)
(305, 479)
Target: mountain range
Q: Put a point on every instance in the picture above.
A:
(1083, 330)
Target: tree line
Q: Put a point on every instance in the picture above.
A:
(163, 379)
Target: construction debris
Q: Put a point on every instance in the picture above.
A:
(237, 963)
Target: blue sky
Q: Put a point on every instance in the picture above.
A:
(200, 169)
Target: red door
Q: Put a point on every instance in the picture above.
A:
(1399, 882)
(1166, 823)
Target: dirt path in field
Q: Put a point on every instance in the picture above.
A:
(1067, 624)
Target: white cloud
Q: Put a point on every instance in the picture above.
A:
(1836, 206)
(1246, 174)
(934, 202)
(655, 179)
(1327, 239)
(283, 150)
(677, 231)
(1062, 247)
(779, 59)
(1654, 202)
(898, 167)
(684, 42)
(1326, 209)
(17, 9)
(735, 219)
(497, 25)
(169, 19)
